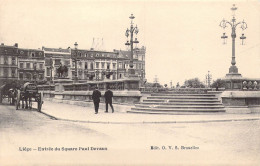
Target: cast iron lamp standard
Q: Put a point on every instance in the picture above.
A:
(132, 30)
(233, 70)
(75, 60)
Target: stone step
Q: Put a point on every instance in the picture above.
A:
(180, 103)
(173, 113)
(165, 110)
(173, 94)
(180, 100)
(181, 97)
(179, 106)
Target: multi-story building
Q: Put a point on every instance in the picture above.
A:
(31, 65)
(138, 62)
(8, 63)
(41, 65)
(54, 57)
(95, 64)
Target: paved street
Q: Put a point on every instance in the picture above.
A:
(219, 143)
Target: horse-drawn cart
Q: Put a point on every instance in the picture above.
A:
(7, 91)
(28, 94)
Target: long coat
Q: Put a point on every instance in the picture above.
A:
(108, 96)
(96, 96)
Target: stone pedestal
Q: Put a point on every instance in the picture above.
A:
(233, 72)
(59, 84)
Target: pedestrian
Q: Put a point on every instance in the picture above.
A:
(108, 99)
(96, 99)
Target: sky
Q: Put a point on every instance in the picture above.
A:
(182, 38)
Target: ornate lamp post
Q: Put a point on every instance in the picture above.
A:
(132, 30)
(233, 70)
(75, 60)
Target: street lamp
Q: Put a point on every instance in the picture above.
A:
(233, 25)
(75, 60)
(132, 30)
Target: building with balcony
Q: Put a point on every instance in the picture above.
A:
(94, 65)
(31, 65)
(8, 63)
(54, 57)
(123, 61)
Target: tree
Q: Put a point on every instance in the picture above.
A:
(194, 83)
(218, 83)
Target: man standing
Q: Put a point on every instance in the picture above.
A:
(96, 99)
(108, 99)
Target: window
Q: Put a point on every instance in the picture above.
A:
(114, 65)
(13, 73)
(103, 65)
(41, 66)
(114, 76)
(97, 65)
(40, 77)
(21, 76)
(48, 71)
(5, 72)
(120, 65)
(21, 65)
(86, 65)
(28, 65)
(13, 60)
(57, 61)
(91, 66)
(5, 60)
(80, 64)
(33, 54)
(108, 65)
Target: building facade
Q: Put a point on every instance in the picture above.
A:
(8, 63)
(41, 65)
(138, 62)
(31, 65)
(54, 57)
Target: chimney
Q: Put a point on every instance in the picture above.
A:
(2, 44)
(16, 45)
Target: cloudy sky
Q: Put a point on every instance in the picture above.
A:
(182, 38)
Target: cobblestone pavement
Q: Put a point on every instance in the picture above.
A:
(212, 143)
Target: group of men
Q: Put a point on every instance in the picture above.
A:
(108, 99)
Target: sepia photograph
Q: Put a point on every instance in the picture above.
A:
(129, 83)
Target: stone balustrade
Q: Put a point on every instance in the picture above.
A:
(125, 90)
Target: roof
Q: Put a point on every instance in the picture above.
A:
(56, 51)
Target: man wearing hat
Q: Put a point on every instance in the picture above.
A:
(108, 99)
(96, 99)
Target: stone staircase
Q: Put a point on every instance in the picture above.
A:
(179, 103)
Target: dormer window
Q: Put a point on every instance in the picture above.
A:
(33, 54)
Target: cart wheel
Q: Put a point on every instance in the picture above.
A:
(17, 102)
(40, 102)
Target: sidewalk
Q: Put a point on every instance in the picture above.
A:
(75, 113)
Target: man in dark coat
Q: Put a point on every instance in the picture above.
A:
(108, 99)
(96, 99)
